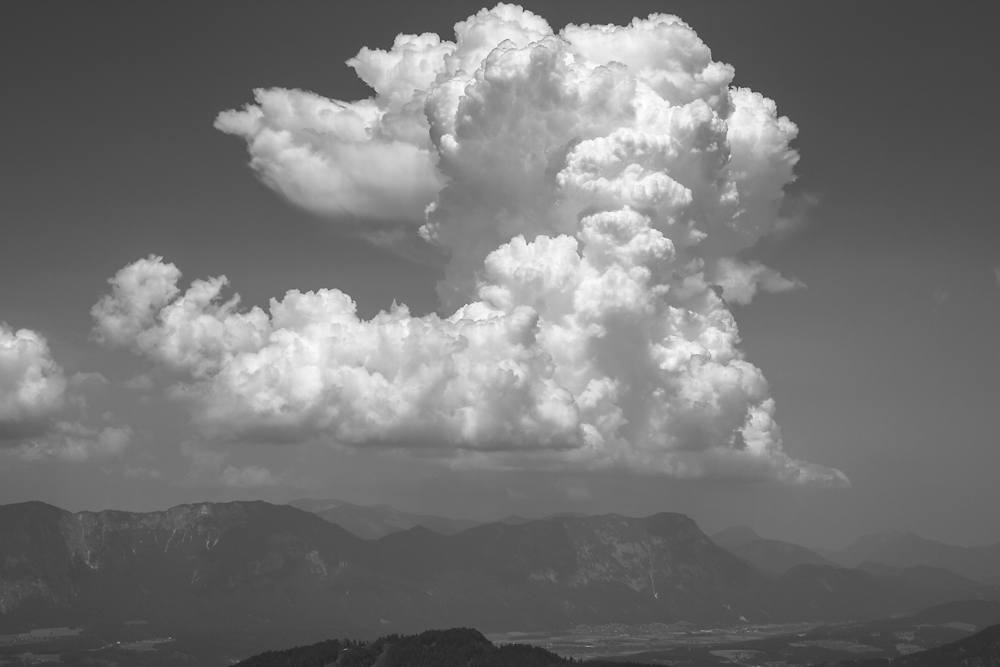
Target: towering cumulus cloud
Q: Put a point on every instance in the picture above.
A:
(591, 189)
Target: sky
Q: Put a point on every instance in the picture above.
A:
(742, 264)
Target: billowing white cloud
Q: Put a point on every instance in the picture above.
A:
(590, 188)
(335, 157)
(32, 384)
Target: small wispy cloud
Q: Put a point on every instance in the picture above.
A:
(141, 382)
(74, 443)
(142, 472)
(209, 467)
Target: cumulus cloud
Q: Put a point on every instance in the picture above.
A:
(35, 397)
(741, 280)
(591, 189)
(32, 384)
(336, 157)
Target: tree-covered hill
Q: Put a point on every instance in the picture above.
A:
(979, 650)
(458, 647)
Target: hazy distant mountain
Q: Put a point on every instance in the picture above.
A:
(317, 505)
(735, 537)
(371, 522)
(901, 549)
(922, 576)
(516, 520)
(823, 592)
(773, 557)
(820, 592)
(923, 585)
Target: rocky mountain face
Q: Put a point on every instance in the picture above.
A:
(735, 537)
(179, 567)
(259, 557)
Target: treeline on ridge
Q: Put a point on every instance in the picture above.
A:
(457, 647)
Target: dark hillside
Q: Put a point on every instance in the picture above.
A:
(458, 647)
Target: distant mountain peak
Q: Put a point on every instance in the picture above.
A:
(317, 505)
(514, 520)
(373, 522)
(735, 536)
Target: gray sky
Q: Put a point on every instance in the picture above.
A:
(882, 367)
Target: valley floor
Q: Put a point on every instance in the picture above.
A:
(617, 640)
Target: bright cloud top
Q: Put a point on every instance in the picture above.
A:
(32, 384)
(591, 189)
(34, 390)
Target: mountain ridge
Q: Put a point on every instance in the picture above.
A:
(907, 549)
(372, 522)
(772, 557)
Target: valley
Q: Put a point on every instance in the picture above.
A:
(620, 641)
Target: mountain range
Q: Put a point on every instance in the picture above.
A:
(976, 565)
(253, 565)
(906, 549)
(772, 557)
(253, 576)
(371, 522)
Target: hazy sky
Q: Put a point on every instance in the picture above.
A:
(596, 368)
